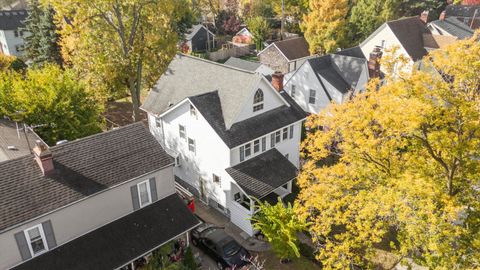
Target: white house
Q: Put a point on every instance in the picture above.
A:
(11, 35)
(234, 136)
(326, 79)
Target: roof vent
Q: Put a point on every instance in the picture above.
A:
(12, 148)
(170, 104)
(61, 142)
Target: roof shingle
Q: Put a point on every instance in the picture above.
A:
(293, 48)
(12, 19)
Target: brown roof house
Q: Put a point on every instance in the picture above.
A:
(285, 55)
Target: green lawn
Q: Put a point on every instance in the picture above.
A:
(272, 262)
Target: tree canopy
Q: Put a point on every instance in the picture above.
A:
(260, 29)
(119, 45)
(52, 99)
(325, 25)
(405, 167)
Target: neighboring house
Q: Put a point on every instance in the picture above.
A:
(100, 202)
(353, 52)
(11, 35)
(249, 65)
(286, 55)
(15, 141)
(234, 136)
(13, 5)
(468, 14)
(451, 27)
(199, 39)
(243, 36)
(326, 79)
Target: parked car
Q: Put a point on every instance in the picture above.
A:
(227, 252)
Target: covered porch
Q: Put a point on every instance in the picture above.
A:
(264, 177)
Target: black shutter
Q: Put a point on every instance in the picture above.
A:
(153, 189)
(48, 230)
(135, 201)
(23, 245)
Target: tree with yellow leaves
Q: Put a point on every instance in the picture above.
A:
(405, 171)
(325, 25)
(119, 45)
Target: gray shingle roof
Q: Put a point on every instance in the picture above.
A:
(342, 72)
(12, 19)
(194, 30)
(188, 76)
(353, 52)
(83, 167)
(293, 48)
(9, 136)
(242, 64)
(209, 105)
(120, 241)
(462, 10)
(454, 27)
(409, 32)
(262, 174)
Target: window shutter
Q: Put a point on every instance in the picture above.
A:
(153, 189)
(48, 230)
(291, 131)
(23, 246)
(272, 140)
(135, 201)
(242, 153)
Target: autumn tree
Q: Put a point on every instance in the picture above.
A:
(405, 168)
(260, 29)
(325, 25)
(119, 45)
(280, 226)
(51, 98)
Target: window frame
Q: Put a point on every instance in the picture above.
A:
(248, 147)
(193, 111)
(158, 122)
(292, 92)
(256, 146)
(258, 100)
(278, 137)
(149, 193)
(42, 237)
(180, 131)
(312, 97)
(272, 140)
(194, 145)
(216, 179)
(291, 132)
(285, 134)
(264, 143)
(242, 153)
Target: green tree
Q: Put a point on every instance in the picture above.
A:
(325, 25)
(119, 45)
(407, 168)
(280, 225)
(42, 43)
(52, 98)
(260, 29)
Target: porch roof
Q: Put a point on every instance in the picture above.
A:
(122, 241)
(264, 173)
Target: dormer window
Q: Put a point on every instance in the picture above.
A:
(193, 111)
(258, 100)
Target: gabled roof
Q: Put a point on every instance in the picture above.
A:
(194, 30)
(261, 175)
(189, 76)
(454, 27)
(244, 31)
(10, 136)
(409, 32)
(353, 52)
(12, 19)
(342, 72)
(462, 10)
(293, 48)
(121, 241)
(242, 64)
(437, 41)
(82, 168)
(209, 105)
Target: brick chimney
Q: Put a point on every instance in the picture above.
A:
(374, 63)
(442, 15)
(277, 81)
(424, 16)
(44, 158)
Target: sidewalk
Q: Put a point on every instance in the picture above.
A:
(210, 215)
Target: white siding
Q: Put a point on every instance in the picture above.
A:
(239, 215)
(8, 41)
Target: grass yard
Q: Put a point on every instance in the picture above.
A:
(272, 262)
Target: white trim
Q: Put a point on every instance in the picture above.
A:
(29, 240)
(80, 200)
(372, 35)
(149, 193)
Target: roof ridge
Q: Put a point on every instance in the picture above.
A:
(288, 39)
(54, 147)
(403, 19)
(215, 63)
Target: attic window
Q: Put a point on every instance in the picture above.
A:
(258, 100)
(193, 111)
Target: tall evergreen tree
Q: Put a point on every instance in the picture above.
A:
(41, 44)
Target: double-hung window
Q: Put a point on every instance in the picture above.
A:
(291, 131)
(285, 133)
(36, 240)
(264, 144)
(312, 97)
(248, 150)
(144, 194)
(277, 137)
(191, 145)
(256, 146)
(292, 93)
(181, 131)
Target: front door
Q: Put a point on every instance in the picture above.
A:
(203, 191)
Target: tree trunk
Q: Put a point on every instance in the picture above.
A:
(132, 85)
